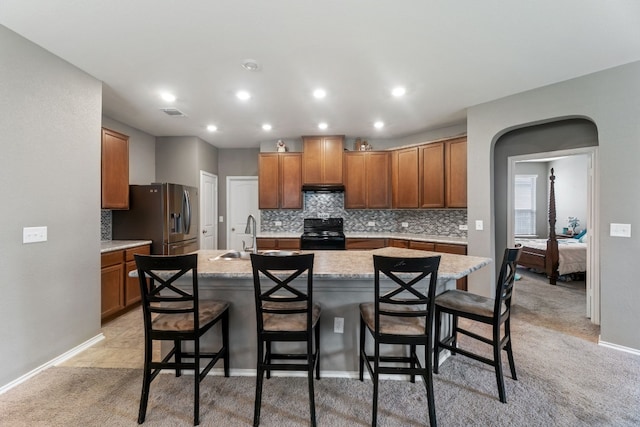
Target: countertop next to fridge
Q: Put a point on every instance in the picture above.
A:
(117, 245)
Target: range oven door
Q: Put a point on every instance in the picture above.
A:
(322, 243)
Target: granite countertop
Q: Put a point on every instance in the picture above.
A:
(117, 245)
(374, 235)
(345, 265)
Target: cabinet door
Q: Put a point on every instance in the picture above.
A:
(332, 162)
(355, 184)
(432, 175)
(456, 173)
(398, 243)
(266, 243)
(405, 178)
(313, 160)
(132, 284)
(268, 175)
(378, 170)
(291, 181)
(447, 248)
(115, 170)
(112, 298)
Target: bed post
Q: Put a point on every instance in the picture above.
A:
(552, 243)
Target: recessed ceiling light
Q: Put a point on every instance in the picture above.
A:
(322, 125)
(398, 91)
(212, 128)
(319, 93)
(168, 97)
(243, 95)
(266, 126)
(378, 125)
(250, 65)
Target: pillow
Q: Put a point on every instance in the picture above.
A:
(583, 239)
(579, 235)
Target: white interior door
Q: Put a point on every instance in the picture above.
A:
(242, 201)
(208, 211)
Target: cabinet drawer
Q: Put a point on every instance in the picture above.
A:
(289, 244)
(366, 243)
(422, 246)
(142, 250)
(448, 248)
(398, 243)
(111, 258)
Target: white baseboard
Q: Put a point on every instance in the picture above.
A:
(619, 347)
(62, 358)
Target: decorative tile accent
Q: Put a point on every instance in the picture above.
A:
(437, 222)
(105, 224)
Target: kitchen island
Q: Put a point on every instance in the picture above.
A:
(342, 280)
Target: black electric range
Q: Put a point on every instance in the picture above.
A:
(320, 233)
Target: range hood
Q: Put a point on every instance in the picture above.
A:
(323, 188)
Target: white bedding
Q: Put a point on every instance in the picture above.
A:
(572, 253)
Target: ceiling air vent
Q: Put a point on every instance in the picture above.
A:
(174, 112)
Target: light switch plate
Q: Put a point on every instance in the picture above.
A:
(220, 218)
(479, 224)
(338, 325)
(34, 234)
(371, 224)
(620, 230)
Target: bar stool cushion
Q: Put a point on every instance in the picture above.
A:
(393, 325)
(292, 322)
(467, 302)
(208, 310)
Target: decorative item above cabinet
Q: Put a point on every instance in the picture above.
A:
(115, 170)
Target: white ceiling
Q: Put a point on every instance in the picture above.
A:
(448, 54)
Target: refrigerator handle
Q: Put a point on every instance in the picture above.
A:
(186, 209)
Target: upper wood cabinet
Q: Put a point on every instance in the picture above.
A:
(115, 170)
(404, 178)
(280, 180)
(456, 173)
(432, 175)
(367, 180)
(322, 159)
(431, 171)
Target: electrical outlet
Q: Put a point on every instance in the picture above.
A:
(338, 325)
(371, 224)
(324, 215)
(34, 234)
(277, 223)
(405, 224)
(620, 230)
(463, 227)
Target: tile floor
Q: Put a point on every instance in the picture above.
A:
(123, 346)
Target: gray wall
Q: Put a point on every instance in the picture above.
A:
(232, 162)
(50, 169)
(571, 190)
(610, 100)
(179, 159)
(142, 152)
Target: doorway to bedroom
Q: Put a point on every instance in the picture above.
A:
(564, 144)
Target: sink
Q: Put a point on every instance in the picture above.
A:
(232, 255)
(277, 252)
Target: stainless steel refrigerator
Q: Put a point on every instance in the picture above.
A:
(166, 214)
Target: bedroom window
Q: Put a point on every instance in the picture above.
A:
(525, 205)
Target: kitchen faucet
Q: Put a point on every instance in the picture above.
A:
(251, 229)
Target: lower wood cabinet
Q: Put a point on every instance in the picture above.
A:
(119, 291)
(289, 243)
(366, 243)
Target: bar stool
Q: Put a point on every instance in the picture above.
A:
(285, 312)
(401, 316)
(490, 311)
(175, 314)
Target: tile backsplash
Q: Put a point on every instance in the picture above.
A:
(105, 224)
(439, 222)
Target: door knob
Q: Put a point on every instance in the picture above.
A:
(204, 231)
(233, 229)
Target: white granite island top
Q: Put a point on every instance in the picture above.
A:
(353, 264)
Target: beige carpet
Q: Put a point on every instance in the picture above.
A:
(565, 379)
